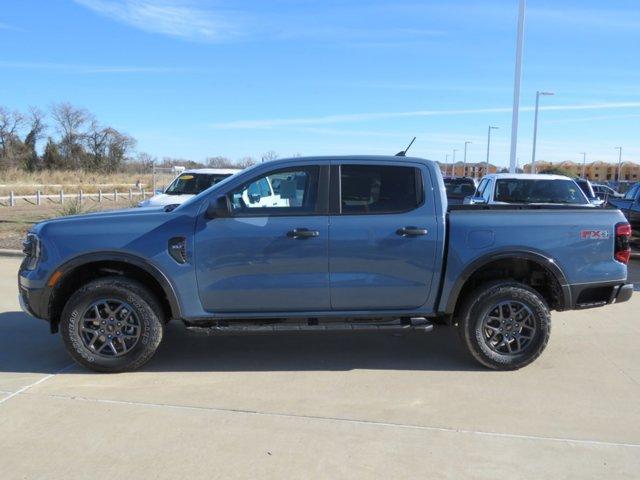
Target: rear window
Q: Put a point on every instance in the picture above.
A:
(513, 190)
(379, 189)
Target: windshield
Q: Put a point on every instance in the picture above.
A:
(514, 190)
(194, 183)
(459, 188)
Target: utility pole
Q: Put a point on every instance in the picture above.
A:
(535, 129)
(486, 168)
(516, 87)
(619, 163)
(464, 162)
(584, 164)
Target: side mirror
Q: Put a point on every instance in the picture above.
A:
(219, 208)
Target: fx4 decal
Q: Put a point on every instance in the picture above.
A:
(594, 234)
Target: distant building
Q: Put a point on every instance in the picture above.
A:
(474, 170)
(594, 171)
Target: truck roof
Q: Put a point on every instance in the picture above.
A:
(528, 176)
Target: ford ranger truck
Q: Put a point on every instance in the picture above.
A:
(355, 244)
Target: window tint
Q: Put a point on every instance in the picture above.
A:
(285, 191)
(194, 183)
(379, 189)
(513, 190)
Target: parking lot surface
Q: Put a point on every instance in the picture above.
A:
(323, 406)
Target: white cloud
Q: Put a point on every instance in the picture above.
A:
(168, 17)
(363, 117)
(78, 68)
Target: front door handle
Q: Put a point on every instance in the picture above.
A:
(411, 231)
(302, 233)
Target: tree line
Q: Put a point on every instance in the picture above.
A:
(66, 137)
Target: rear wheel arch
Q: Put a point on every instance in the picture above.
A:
(83, 269)
(533, 269)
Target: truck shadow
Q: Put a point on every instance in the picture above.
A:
(27, 347)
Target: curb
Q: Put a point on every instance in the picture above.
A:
(11, 253)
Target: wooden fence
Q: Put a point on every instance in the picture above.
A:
(59, 198)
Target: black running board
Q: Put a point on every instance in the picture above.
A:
(393, 326)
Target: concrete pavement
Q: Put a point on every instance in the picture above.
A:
(360, 406)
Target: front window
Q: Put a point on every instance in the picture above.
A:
(284, 191)
(514, 190)
(194, 183)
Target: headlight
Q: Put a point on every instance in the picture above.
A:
(31, 248)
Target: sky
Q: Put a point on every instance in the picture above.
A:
(201, 78)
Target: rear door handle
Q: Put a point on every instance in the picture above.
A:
(411, 231)
(302, 233)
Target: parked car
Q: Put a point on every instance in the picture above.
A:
(363, 244)
(522, 188)
(604, 192)
(630, 206)
(587, 189)
(458, 188)
(188, 184)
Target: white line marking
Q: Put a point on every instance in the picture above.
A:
(44, 379)
(352, 421)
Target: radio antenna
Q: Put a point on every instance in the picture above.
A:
(403, 153)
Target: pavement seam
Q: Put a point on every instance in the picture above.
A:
(349, 421)
(27, 387)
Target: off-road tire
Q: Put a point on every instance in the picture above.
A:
(146, 308)
(479, 303)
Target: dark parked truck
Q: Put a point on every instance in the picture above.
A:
(630, 206)
(348, 244)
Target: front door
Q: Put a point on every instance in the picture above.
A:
(383, 239)
(271, 254)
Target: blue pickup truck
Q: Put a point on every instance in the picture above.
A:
(347, 244)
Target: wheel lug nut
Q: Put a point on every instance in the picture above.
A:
(102, 330)
(103, 322)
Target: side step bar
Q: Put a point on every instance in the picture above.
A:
(393, 326)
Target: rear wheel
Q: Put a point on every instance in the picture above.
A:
(505, 325)
(112, 324)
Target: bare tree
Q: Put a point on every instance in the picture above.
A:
(10, 125)
(220, 162)
(70, 122)
(246, 162)
(268, 156)
(37, 129)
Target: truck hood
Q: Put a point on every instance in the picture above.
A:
(164, 199)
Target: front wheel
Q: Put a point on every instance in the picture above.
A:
(505, 325)
(112, 324)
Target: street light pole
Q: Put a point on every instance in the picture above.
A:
(535, 129)
(584, 164)
(453, 163)
(486, 168)
(516, 87)
(619, 163)
(464, 162)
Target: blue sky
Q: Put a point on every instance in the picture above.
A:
(199, 78)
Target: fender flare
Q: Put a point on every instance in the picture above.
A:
(537, 257)
(122, 257)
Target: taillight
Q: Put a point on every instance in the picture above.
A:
(622, 251)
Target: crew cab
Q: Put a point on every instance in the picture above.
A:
(358, 244)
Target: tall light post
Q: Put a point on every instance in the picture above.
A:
(619, 163)
(584, 164)
(464, 161)
(535, 129)
(486, 168)
(516, 87)
(453, 163)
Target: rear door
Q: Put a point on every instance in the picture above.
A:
(382, 235)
